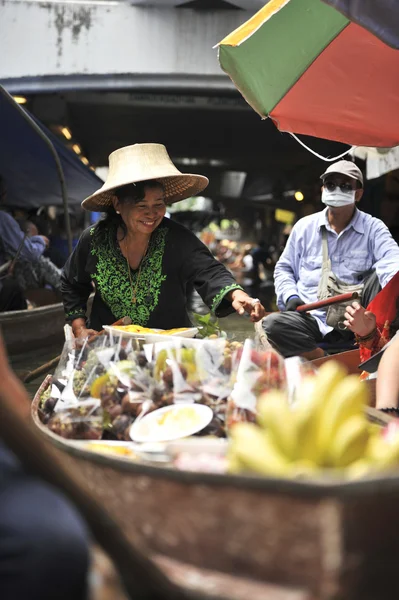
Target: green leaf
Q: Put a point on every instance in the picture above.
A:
(208, 325)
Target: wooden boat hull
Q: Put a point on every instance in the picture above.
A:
(24, 330)
(324, 538)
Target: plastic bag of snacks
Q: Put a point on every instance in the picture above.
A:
(200, 362)
(199, 372)
(84, 421)
(258, 372)
(126, 390)
(71, 386)
(129, 381)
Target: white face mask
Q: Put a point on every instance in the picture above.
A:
(338, 198)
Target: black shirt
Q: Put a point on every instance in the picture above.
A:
(176, 261)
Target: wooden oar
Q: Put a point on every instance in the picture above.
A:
(51, 364)
(328, 301)
(142, 579)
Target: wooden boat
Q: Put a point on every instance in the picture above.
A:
(250, 536)
(36, 328)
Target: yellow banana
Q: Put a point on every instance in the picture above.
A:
(314, 396)
(348, 399)
(275, 416)
(381, 453)
(328, 376)
(234, 465)
(374, 429)
(306, 393)
(256, 452)
(316, 389)
(306, 413)
(359, 469)
(350, 442)
(305, 468)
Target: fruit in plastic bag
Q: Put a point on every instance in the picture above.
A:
(83, 422)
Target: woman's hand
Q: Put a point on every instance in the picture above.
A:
(84, 333)
(80, 330)
(243, 303)
(359, 320)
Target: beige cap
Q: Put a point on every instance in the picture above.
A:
(344, 167)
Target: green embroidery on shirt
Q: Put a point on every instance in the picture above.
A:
(76, 311)
(112, 279)
(219, 297)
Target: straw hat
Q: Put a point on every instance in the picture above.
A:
(142, 162)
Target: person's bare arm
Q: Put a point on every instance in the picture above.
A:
(11, 388)
(388, 377)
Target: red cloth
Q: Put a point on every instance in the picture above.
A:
(384, 308)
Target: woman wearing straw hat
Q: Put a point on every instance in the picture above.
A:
(143, 264)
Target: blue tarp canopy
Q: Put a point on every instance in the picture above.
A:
(28, 167)
(381, 17)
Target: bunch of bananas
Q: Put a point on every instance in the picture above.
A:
(327, 429)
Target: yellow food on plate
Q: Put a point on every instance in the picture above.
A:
(144, 330)
(179, 419)
(111, 449)
(134, 329)
(172, 422)
(172, 331)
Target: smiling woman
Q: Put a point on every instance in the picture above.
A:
(144, 265)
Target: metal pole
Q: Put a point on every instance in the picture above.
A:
(53, 151)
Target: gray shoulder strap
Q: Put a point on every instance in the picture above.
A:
(324, 245)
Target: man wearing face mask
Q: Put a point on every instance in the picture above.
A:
(358, 249)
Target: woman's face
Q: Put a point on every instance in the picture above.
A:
(143, 216)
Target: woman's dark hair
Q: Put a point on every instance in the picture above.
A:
(133, 193)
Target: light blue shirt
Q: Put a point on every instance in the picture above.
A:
(10, 238)
(364, 244)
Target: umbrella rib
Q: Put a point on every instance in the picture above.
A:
(316, 153)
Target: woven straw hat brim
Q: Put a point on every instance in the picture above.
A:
(176, 187)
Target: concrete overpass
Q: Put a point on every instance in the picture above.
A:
(77, 44)
(116, 73)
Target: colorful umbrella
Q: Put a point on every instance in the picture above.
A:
(380, 17)
(314, 72)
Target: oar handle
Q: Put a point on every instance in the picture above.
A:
(328, 301)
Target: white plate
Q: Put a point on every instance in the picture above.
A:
(148, 429)
(151, 337)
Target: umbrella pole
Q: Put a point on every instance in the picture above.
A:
(57, 161)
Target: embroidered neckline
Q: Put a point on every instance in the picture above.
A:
(112, 279)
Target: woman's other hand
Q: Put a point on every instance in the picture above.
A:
(359, 320)
(241, 303)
